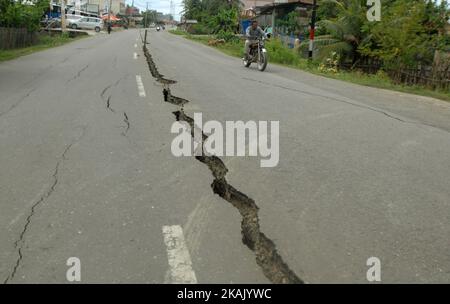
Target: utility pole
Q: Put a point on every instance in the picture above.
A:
(146, 17)
(312, 30)
(63, 16)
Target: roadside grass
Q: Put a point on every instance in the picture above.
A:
(383, 82)
(279, 54)
(45, 42)
(177, 32)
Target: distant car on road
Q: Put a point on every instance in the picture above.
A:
(89, 23)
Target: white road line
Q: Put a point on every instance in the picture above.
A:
(140, 86)
(180, 265)
(135, 55)
(135, 45)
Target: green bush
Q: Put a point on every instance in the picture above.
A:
(200, 29)
(409, 40)
(21, 15)
(225, 20)
(280, 53)
(227, 36)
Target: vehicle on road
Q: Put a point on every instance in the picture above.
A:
(72, 18)
(88, 23)
(158, 28)
(51, 23)
(84, 13)
(257, 54)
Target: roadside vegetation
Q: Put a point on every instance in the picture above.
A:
(44, 42)
(407, 51)
(280, 54)
(20, 23)
(22, 14)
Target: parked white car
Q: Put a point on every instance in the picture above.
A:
(72, 18)
(89, 23)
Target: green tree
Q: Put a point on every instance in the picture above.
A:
(192, 9)
(408, 34)
(22, 14)
(224, 23)
(326, 10)
(290, 22)
(205, 11)
(346, 31)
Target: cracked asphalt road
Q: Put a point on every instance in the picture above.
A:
(87, 169)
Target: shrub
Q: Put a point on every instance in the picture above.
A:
(21, 15)
(330, 64)
(200, 29)
(227, 36)
(280, 53)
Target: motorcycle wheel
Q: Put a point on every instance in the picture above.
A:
(262, 64)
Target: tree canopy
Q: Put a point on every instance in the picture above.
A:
(409, 33)
(22, 14)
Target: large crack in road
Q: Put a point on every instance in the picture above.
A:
(267, 256)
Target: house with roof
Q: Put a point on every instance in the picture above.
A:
(268, 12)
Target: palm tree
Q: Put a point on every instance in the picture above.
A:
(345, 33)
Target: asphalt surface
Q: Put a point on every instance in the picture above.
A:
(87, 170)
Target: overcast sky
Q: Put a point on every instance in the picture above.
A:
(159, 5)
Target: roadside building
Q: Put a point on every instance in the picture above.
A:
(270, 12)
(132, 11)
(117, 6)
(187, 24)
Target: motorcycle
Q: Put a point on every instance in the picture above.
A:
(257, 54)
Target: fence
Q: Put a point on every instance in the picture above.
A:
(288, 40)
(423, 76)
(11, 38)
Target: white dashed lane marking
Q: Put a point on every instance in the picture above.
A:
(140, 86)
(180, 265)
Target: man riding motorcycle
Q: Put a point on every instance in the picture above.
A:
(252, 33)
